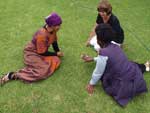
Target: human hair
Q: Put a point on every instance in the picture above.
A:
(104, 6)
(105, 34)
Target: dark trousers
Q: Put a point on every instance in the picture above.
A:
(142, 67)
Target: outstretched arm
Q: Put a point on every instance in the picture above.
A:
(101, 62)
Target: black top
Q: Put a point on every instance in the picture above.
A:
(114, 22)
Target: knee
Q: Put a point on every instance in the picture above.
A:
(57, 59)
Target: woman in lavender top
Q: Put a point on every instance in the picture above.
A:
(121, 78)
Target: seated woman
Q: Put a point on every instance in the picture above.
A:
(40, 63)
(121, 78)
(105, 15)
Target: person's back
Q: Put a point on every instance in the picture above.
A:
(122, 79)
(117, 61)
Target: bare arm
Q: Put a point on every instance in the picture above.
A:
(97, 73)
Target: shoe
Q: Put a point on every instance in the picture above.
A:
(5, 78)
(147, 65)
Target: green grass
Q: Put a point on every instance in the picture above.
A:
(65, 92)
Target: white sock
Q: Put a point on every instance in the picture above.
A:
(147, 69)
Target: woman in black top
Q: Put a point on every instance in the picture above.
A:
(105, 15)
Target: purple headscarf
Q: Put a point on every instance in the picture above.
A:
(53, 20)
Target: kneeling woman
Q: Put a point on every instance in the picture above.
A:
(121, 78)
(40, 63)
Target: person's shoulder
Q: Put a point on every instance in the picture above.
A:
(40, 34)
(107, 49)
(104, 51)
(114, 17)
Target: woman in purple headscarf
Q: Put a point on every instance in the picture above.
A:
(40, 63)
(121, 78)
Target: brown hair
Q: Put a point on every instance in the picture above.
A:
(104, 6)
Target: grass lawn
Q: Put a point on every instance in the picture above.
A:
(65, 92)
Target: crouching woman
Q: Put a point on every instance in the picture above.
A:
(121, 78)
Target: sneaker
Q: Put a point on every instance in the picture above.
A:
(147, 65)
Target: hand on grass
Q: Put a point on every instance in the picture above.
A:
(86, 58)
(90, 89)
(60, 54)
